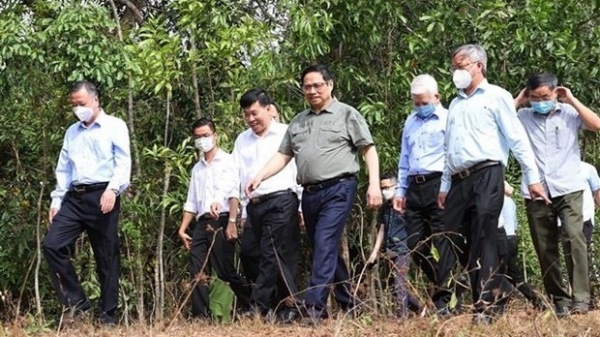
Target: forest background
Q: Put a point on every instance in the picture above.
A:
(160, 64)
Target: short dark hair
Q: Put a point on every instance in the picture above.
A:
(202, 122)
(539, 80)
(87, 85)
(255, 95)
(388, 175)
(316, 68)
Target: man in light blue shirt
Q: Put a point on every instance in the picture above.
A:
(553, 130)
(420, 170)
(482, 127)
(93, 170)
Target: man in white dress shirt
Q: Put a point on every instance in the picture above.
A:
(213, 200)
(273, 208)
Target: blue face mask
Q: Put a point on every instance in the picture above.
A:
(425, 111)
(543, 107)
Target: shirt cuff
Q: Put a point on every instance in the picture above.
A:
(56, 203)
(190, 207)
(532, 177)
(445, 186)
(400, 192)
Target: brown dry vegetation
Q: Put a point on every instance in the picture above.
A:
(514, 323)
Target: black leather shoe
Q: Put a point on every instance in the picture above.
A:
(288, 315)
(580, 308)
(561, 311)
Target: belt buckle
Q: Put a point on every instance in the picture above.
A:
(78, 189)
(464, 174)
(255, 200)
(420, 179)
(310, 188)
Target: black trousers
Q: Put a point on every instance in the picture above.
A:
(274, 223)
(510, 268)
(472, 208)
(249, 252)
(78, 213)
(424, 224)
(209, 232)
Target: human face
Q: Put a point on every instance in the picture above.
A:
(258, 118)
(204, 138)
(425, 99)
(466, 73)
(316, 90)
(541, 94)
(388, 187)
(85, 99)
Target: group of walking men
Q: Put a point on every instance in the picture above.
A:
(448, 195)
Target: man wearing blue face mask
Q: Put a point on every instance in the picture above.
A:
(420, 171)
(553, 130)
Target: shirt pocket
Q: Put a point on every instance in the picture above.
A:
(435, 138)
(299, 139)
(329, 136)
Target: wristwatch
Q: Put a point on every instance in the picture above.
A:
(232, 220)
(116, 191)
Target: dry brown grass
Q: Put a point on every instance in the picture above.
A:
(514, 323)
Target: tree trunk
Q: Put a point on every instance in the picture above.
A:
(159, 273)
(36, 278)
(130, 113)
(195, 78)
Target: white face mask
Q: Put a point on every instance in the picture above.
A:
(83, 113)
(462, 78)
(204, 144)
(387, 193)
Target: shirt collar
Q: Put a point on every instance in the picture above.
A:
(100, 120)
(270, 130)
(331, 108)
(217, 157)
(483, 86)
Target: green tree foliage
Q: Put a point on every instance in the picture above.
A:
(181, 59)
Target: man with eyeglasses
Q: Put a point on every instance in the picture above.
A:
(553, 130)
(213, 201)
(272, 210)
(326, 141)
(420, 172)
(482, 127)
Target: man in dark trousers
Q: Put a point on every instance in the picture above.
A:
(272, 209)
(509, 249)
(213, 200)
(93, 170)
(326, 141)
(482, 127)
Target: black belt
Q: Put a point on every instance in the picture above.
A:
(207, 216)
(312, 188)
(423, 178)
(477, 167)
(87, 188)
(269, 196)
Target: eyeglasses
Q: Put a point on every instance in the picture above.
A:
(453, 68)
(316, 86)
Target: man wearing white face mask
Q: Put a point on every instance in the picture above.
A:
(553, 130)
(482, 127)
(419, 172)
(212, 200)
(93, 170)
